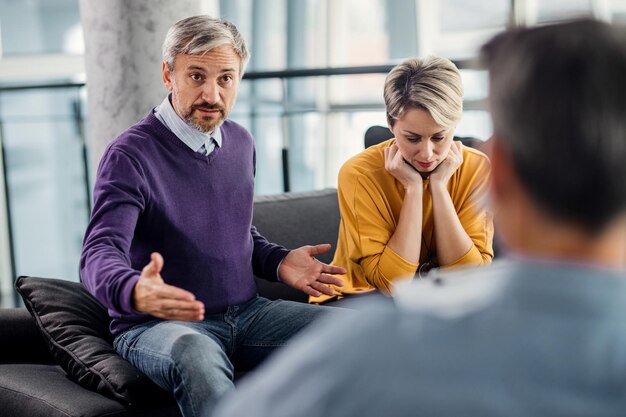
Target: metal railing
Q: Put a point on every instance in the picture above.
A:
(288, 109)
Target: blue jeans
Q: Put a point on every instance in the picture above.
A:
(195, 361)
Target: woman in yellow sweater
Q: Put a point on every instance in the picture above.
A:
(415, 201)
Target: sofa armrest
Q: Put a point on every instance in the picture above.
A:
(20, 339)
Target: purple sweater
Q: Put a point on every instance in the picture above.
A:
(153, 193)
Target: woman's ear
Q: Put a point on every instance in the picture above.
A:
(390, 122)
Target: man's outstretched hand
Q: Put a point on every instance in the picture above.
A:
(153, 296)
(301, 270)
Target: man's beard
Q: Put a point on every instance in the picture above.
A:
(207, 126)
(188, 115)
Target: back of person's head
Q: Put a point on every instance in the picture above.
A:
(558, 103)
(430, 83)
(197, 35)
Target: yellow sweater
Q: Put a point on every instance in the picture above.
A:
(370, 200)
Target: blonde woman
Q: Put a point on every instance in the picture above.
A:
(415, 201)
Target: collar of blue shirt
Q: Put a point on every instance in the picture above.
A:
(196, 140)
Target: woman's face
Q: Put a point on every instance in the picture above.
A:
(422, 142)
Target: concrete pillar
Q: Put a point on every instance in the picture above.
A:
(123, 41)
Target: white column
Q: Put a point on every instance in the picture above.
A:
(123, 41)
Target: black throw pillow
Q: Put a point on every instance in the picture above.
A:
(75, 326)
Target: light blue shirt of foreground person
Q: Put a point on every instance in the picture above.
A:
(519, 338)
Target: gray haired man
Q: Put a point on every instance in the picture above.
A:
(175, 192)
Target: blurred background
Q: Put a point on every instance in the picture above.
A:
(313, 86)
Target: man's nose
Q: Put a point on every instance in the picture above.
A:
(211, 92)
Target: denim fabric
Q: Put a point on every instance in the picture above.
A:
(195, 361)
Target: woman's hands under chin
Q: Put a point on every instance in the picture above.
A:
(442, 174)
(401, 170)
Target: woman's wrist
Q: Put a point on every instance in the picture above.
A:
(414, 189)
(438, 187)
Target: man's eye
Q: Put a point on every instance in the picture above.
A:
(196, 77)
(227, 78)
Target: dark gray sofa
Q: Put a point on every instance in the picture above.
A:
(33, 385)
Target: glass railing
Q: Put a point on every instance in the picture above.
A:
(306, 123)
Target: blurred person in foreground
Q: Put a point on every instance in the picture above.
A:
(170, 248)
(416, 201)
(538, 334)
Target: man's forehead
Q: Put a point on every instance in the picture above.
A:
(223, 58)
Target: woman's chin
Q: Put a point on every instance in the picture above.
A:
(424, 170)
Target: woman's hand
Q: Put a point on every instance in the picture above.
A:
(442, 174)
(401, 170)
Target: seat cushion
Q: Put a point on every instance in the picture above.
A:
(38, 390)
(293, 220)
(76, 328)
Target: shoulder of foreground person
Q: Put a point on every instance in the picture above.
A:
(343, 365)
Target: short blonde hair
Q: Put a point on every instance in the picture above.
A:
(430, 83)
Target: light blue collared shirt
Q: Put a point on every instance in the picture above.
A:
(190, 136)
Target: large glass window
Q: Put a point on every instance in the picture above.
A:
(40, 27)
(616, 11)
(552, 10)
(43, 146)
(470, 15)
(318, 122)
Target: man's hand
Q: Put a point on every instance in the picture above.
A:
(302, 271)
(153, 296)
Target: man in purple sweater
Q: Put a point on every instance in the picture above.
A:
(178, 186)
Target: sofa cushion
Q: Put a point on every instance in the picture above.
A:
(39, 390)
(293, 220)
(76, 328)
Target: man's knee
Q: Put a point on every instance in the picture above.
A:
(195, 353)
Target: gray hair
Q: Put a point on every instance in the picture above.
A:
(197, 35)
(558, 104)
(430, 83)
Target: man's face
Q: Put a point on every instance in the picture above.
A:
(204, 87)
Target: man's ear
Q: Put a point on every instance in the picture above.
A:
(167, 76)
(502, 170)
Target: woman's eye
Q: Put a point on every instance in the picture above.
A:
(413, 139)
(438, 138)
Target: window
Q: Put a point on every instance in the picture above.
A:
(43, 146)
(40, 27)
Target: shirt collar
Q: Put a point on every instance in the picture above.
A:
(190, 136)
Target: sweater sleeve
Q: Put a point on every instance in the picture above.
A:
(369, 224)
(266, 256)
(120, 194)
(474, 213)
